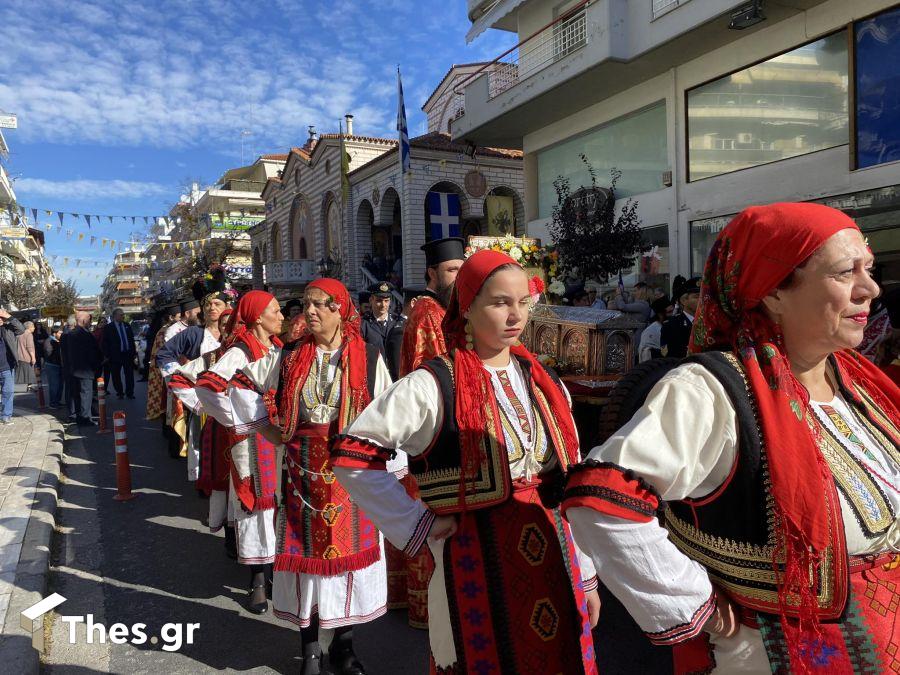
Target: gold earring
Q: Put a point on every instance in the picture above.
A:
(469, 343)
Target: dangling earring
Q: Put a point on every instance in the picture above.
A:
(469, 344)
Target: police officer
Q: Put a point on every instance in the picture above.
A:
(676, 332)
(382, 325)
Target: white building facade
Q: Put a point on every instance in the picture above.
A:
(702, 119)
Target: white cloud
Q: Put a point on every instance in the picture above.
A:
(182, 75)
(90, 189)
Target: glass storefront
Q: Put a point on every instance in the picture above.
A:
(635, 144)
(877, 212)
(789, 105)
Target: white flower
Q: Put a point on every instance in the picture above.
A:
(515, 253)
(556, 287)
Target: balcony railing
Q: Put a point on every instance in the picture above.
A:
(290, 272)
(564, 36)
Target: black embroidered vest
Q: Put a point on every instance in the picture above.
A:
(731, 531)
(437, 470)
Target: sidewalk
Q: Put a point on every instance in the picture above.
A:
(31, 451)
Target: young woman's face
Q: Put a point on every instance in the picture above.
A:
(499, 313)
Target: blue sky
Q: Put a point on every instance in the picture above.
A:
(122, 103)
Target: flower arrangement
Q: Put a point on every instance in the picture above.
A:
(524, 251)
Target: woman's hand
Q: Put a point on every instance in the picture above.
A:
(442, 528)
(725, 621)
(271, 433)
(593, 606)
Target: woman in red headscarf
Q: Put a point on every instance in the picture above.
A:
(329, 570)
(213, 469)
(251, 331)
(489, 437)
(775, 450)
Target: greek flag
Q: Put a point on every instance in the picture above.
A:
(402, 127)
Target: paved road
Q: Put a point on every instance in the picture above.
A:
(151, 560)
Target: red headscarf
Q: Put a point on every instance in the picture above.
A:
(473, 383)
(353, 356)
(249, 308)
(749, 259)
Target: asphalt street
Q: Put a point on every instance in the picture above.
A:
(152, 560)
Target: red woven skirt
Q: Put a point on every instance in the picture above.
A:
(515, 592)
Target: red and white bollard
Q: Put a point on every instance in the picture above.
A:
(101, 407)
(123, 465)
(40, 387)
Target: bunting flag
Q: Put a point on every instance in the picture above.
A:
(111, 219)
(74, 215)
(81, 236)
(69, 234)
(49, 213)
(48, 226)
(146, 220)
(65, 261)
(93, 240)
(87, 219)
(103, 242)
(60, 215)
(34, 217)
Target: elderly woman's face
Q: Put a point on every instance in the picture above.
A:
(826, 308)
(323, 321)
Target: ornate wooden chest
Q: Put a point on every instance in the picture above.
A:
(584, 340)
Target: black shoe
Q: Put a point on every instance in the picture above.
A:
(120, 396)
(84, 422)
(312, 659)
(342, 657)
(256, 600)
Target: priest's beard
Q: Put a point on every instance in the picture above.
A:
(444, 294)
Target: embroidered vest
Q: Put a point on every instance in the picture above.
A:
(730, 532)
(437, 470)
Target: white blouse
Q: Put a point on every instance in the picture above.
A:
(408, 416)
(683, 441)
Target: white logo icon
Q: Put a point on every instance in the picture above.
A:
(29, 618)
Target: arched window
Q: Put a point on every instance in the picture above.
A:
(276, 242)
(333, 230)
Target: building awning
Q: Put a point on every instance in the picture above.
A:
(127, 285)
(500, 9)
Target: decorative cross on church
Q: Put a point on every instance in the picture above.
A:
(444, 211)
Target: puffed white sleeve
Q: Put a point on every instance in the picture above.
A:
(399, 464)
(183, 383)
(248, 388)
(681, 443)
(407, 417)
(212, 386)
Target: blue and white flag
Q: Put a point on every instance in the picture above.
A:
(444, 212)
(402, 127)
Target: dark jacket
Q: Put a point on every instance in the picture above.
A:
(112, 343)
(12, 328)
(675, 336)
(82, 354)
(386, 337)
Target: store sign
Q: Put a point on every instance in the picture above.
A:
(239, 271)
(8, 121)
(57, 311)
(234, 223)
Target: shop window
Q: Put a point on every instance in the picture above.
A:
(635, 144)
(789, 105)
(877, 81)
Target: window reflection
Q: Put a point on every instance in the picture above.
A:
(634, 144)
(878, 89)
(790, 105)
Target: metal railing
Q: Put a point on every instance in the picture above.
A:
(290, 271)
(561, 37)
